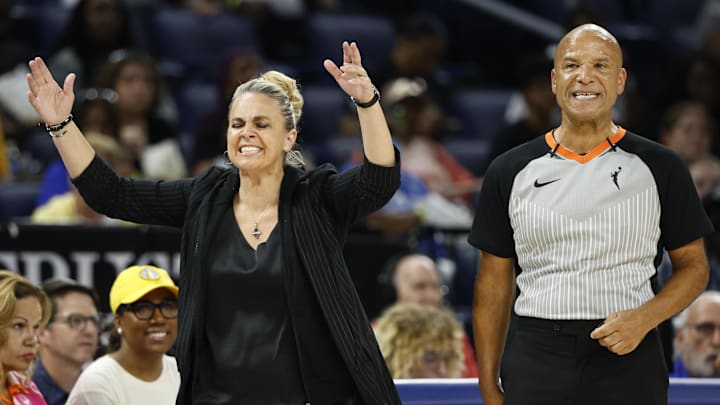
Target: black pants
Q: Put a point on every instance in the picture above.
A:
(556, 362)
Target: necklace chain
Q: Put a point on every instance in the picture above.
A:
(256, 232)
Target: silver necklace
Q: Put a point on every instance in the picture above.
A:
(256, 232)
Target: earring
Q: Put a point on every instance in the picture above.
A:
(227, 158)
(119, 331)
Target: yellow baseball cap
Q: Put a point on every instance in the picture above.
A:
(136, 281)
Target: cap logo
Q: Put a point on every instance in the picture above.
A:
(149, 274)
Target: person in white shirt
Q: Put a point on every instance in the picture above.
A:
(138, 370)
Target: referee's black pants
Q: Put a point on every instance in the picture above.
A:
(557, 363)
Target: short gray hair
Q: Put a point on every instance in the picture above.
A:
(680, 320)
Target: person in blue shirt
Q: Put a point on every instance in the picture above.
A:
(697, 338)
(69, 340)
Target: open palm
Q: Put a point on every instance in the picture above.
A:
(51, 102)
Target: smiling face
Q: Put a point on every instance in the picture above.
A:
(18, 352)
(257, 137)
(588, 75)
(153, 336)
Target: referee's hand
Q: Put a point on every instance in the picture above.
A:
(621, 332)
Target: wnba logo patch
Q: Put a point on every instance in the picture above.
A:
(149, 274)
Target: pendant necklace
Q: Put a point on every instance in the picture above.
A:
(256, 232)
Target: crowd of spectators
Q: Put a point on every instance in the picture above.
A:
(162, 116)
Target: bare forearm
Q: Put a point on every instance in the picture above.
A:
(491, 317)
(689, 279)
(681, 289)
(494, 291)
(75, 151)
(377, 142)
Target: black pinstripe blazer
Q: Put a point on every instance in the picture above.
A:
(316, 211)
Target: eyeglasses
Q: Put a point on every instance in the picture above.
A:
(432, 358)
(144, 310)
(78, 322)
(706, 329)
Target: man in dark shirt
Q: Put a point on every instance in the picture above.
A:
(68, 341)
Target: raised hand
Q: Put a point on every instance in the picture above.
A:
(51, 102)
(351, 76)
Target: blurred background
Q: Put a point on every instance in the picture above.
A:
(461, 82)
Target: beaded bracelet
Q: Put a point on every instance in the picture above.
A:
(373, 100)
(56, 127)
(60, 135)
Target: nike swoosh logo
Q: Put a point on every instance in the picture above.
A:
(538, 184)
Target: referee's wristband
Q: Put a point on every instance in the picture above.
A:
(373, 100)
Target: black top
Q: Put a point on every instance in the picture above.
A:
(315, 213)
(251, 355)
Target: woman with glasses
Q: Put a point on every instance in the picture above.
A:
(421, 341)
(137, 370)
(24, 308)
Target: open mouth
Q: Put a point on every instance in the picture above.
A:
(158, 335)
(249, 150)
(582, 96)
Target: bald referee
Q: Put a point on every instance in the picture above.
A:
(584, 213)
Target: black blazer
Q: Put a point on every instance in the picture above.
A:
(316, 210)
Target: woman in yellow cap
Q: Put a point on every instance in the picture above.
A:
(138, 370)
(24, 308)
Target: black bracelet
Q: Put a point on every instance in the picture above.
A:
(57, 127)
(373, 100)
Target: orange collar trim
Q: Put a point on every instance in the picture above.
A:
(600, 148)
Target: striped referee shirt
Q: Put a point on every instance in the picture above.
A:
(587, 231)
